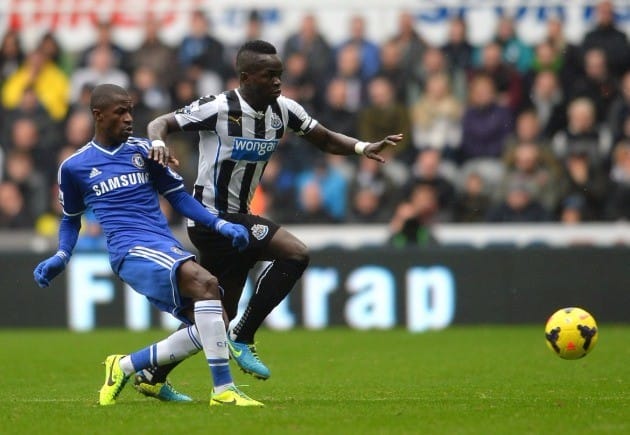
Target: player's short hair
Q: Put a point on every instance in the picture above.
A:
(104, 95)
(245, 58)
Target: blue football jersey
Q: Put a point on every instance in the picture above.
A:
(121, 186)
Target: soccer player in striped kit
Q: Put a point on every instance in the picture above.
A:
(238, 132)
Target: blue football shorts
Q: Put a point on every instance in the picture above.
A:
(152, 272)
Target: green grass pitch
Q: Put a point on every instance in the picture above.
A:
(463, 380)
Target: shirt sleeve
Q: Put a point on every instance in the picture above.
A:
(298, 118)
(199, 115)
(70, 196)
(166, 179)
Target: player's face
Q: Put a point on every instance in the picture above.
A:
(116, 119)
(266, 81)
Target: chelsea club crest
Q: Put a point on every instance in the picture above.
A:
(276, 121)
(137, 161)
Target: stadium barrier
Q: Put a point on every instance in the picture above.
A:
(367, 288)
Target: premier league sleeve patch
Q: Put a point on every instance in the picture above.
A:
(259, 231)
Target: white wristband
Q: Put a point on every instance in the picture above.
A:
(158, 143)
(360, 147)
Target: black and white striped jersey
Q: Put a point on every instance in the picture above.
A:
(235, 143)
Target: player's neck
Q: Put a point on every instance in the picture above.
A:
(253, 100)
(105, 141)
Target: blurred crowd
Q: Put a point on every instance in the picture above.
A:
(503, 132)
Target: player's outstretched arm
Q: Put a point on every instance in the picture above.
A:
(48, 269)
(187, 206)
(337, 143)
(157, 131)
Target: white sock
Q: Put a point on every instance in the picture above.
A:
(178, 346)
(209, 321)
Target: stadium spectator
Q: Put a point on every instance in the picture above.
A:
(11, 54)
(473, 202)
(571, 53)
(507, 81)
(392, 69)
(546, 100)
(409, 42)
(365, 207)
(151, 98)
(336, 115)
(31, 108)
(14, 213)
(332, 186)
(199, 48)
(297, 83)
(620, 109)
(585, 178)
(20, 169)
(526, 164)
(432, 62)
(311, 205)
(50, 47)
(100, 69)
(78, 129)
(383, 114)
(104, 40)
(618, 207)
(459, 57)
(155, 55)
(430, 169)
(515, 51)
(546, 59)
(583, 132)
(254, 27)
(50, 84)
(25, 137)
(528, 131)
(597, 84)
(312, 44)
(436, 117)
(373, 193)
(518, 205)
(458, 51)
(608, 37)
(368, 51)
(485, 124)
(412, 221)
(348, 69)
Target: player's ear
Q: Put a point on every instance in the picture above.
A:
(243, 76)
(96, 114)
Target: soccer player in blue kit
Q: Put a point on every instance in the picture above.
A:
(118, 177)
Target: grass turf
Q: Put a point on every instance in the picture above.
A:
(464, 380)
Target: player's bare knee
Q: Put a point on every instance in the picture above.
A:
(210, 287)
(300, 254)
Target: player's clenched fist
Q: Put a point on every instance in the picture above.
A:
(238, 233)
(50, 268)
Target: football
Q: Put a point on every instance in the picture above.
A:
(571, 333)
